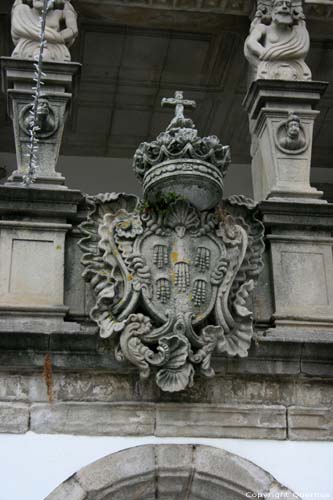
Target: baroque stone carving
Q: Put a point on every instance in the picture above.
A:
(278, 41)
(290, 135)
(172, 279)
(60, 32)
(47, 119)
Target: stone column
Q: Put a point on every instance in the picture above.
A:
(58, 92)
(281, 103)
(282, 115)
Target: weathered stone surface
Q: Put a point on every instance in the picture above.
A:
(32, 274)
(93, 419)
(152, 471)
(46, 203)
(122, 466)
(227, 466)
(245, 421)
(174, 471)
(74, 286)
(316, 360)
(308, 423)
(69, 489)
(14, 418)
(105, 388)
(297, 299)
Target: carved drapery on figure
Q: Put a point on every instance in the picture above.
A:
(278, 41)
(60, 31)
(172, 279)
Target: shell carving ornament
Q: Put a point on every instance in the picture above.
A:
(172, 278)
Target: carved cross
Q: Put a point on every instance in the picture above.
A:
(179, 103)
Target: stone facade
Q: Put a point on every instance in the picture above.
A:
(62, 368)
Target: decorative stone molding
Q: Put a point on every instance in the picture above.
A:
(314, 9)
(172, 274)
(171, 471)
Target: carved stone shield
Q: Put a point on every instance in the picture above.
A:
(172, 284)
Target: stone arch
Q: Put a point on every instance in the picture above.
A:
(171, 472)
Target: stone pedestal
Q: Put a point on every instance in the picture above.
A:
(302, 267)
(281, 163)
(33, 227)
(58, 92)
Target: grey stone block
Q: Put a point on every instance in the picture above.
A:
(238, 421)
(174, 470)
(14, 418)
(117, 419)
(305, 423)
(106, 475)
(222, 468)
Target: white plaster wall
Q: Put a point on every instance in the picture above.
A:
(32, 465)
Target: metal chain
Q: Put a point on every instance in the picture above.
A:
(38, 77)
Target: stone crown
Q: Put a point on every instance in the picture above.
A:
(180, 141)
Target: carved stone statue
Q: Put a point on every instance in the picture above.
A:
(172, 273)
(60, 33)
(47, 122)
(278, 42)
(291, 136)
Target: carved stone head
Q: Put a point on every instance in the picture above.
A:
(293, 126)
(282, 12)
(43, 109)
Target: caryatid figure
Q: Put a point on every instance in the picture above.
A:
(60, 32)
(278, 42)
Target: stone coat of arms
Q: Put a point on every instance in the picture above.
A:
(172, 273)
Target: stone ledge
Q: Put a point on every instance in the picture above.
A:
(306, 423)
(94, 419)
(239, 421)
(183, 420)
(14, 418)
(221, 421)
(80, 349)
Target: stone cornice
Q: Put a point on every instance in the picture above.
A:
(314, 9)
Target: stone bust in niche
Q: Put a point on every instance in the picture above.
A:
(278, 42)
(60, 33)
(291, 135)
(46, 119)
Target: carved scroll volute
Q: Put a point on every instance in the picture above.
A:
(172, 280)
